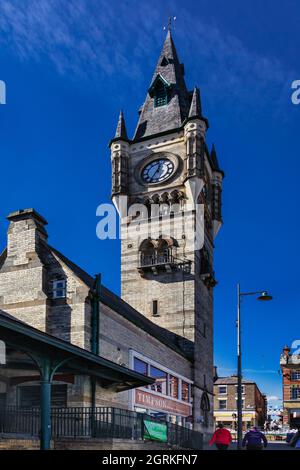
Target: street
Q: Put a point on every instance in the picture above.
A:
(271, 446)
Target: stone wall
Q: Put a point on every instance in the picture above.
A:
(82, 444)
(26, 293)
(118, 337)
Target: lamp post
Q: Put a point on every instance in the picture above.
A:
(263, 296)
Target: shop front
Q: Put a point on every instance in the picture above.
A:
(229, 419)
(168, 398)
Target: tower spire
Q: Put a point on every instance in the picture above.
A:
(168, 77)
(121, 132)
(195, 109)
(214, 158)
(170, 20)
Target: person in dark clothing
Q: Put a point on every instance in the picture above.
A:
(295, 438)
(254, 440)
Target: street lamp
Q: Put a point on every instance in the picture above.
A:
(262, 296)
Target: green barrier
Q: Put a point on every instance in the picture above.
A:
(155, 431)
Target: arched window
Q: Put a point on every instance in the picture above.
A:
(148, 255)
(205, 408)
(157, 252)
(164, 252)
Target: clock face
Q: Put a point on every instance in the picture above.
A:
(158, 170)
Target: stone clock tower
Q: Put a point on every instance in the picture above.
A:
(172, 184)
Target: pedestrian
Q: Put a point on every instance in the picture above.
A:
(221, 437)
(295, 438)
(254, 439)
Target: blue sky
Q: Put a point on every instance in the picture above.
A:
(70, 66)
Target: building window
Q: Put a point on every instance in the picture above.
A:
(222, 389)
(205, 408)
(295, 375)
(165, 383)
(161, 95)
(164, 62)
(148, 253)
(30, 396)
(222, 404)
(295, 393)
(160, 384)
(205, 262)
(140, 366)
(155, 308)
(59, 289)
(173, 386)
(185, 396)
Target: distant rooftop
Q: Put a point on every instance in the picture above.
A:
(232, 379)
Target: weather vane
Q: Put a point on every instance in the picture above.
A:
(171, 19)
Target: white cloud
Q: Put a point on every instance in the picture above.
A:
(261, 371)
(95, 37)
(273, 398)
(229, 371)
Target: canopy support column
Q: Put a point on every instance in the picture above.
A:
(45, 404)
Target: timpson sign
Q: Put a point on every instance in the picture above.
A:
(155, 402)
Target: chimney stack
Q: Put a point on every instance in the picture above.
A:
(286, 351)
(26, 230)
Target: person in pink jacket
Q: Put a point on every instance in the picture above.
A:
(221, 437)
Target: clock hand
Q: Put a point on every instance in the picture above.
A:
(151, 173)
(159, 167)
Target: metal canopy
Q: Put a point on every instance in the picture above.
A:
(25, 338)
(52, 355)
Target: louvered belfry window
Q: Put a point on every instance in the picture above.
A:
(161, 95)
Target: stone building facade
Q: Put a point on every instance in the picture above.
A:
(167, 185)
(163, 325)
(254, 403)
(43, 288)
(290, 369)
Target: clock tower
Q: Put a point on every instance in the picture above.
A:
(166, 185)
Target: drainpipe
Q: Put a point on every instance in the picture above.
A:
(95, 314)
(45, 405)
(95, 331)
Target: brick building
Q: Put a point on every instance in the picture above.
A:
(225, 403)
(290, 369)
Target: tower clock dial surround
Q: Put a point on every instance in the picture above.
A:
(158, 170)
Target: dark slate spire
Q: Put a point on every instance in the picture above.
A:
(195, 109)
(214, 159)
(121, 132)
(170, 72)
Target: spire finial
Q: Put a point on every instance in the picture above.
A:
(121, 132)
(195, 108)
(171, 20)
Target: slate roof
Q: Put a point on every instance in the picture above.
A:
(214, 160)
(195, 108)
(155, 120)
(181, 345)
(121, 132)
(231, 381)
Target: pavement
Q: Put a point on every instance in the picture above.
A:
(271, 446)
